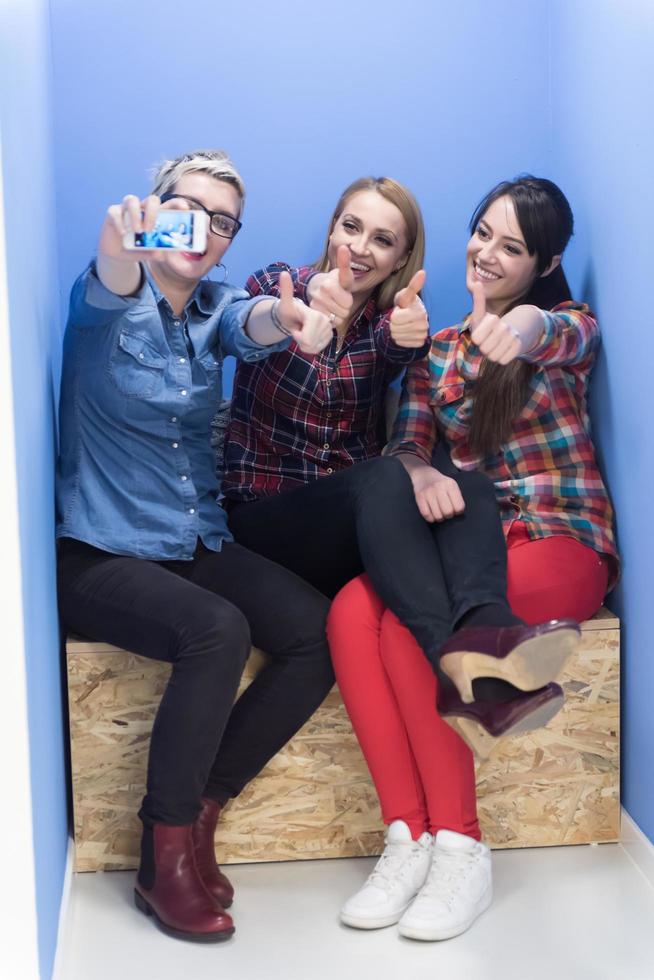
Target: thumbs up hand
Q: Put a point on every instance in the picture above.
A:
(310, 329)
(331, 292)
(496, 338)
(409, 323)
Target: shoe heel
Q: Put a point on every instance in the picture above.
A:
(532, 665)
(456, 666)
(141, 903)
(473, 734)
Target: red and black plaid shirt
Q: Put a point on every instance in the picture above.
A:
(296, 416)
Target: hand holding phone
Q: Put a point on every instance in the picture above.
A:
(173, 230)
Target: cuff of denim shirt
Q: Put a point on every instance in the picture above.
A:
(97, 295)
(234, 320)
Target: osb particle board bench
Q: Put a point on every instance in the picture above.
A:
(315, 799)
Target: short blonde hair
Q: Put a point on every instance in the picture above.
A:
(409, 208)
(215, 163)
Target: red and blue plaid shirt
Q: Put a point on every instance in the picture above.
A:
(296, 416)
(546, 474)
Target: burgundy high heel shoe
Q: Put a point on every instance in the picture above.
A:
(481, 723)
(528, 657)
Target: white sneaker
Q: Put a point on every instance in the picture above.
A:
(397, 877)
(457, 890)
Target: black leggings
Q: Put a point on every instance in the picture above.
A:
(202, 616)
(365, 518)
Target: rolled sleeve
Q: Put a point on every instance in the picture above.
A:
(392, 351)
(415, 426)
(233, 337)
(93, 305)
(570, 336)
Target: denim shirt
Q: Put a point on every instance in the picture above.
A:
(136, 472)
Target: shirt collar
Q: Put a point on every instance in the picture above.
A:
(201, 295)
(465, 324)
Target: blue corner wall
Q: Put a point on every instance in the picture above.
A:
(603, 147)
(26, 113)
(305, 101)
(448, 98)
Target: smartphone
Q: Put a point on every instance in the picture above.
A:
(179, 231)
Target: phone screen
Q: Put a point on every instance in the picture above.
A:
(174, 229)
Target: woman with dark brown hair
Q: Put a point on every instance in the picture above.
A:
(505, 391)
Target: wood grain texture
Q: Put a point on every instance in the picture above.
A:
(315, 799)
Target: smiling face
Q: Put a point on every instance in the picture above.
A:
(185, 269)
(497, 257)
(376, 234)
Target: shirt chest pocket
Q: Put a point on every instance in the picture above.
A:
(451, 404)
(136, 367)
(212, 366)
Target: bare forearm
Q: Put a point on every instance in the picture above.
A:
(528, 322)
(121, 278)
(260, 326)
(413, 464)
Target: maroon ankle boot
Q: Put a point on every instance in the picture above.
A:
(204, 828)
(169, 888)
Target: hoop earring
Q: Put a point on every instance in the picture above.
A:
(220, 265)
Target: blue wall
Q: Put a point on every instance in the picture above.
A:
(35, 341)
(603, 147)
(446, 97)
(305, 102)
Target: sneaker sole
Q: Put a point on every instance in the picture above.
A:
(379, 922)
(426, 934)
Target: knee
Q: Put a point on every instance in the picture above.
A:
(476, 486)
(217, 631)
(474, 482)
(386, 476)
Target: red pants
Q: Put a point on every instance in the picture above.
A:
(424, 773)
(553, 578)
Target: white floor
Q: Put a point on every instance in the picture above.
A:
(569, 913)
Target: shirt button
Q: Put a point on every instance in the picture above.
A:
(174, 418)
(183, 391)
(328, 383)
(326, 445)
(184, 477)
(182, 360)
(141, 356)
(329, 469)
(175, 445)
(191, 510)
(177, 322)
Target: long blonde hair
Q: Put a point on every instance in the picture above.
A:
(409, 208)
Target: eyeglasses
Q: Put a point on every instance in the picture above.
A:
(221, 224)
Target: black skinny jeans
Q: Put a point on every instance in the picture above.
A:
(365, 518)
(201, 616)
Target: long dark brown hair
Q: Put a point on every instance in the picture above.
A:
(546, 223)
